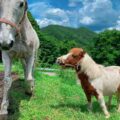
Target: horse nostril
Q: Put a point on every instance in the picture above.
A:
(4, 47)
(59, 61)
(11, 44)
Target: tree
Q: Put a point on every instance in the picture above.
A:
(50, 48)
(107, 48)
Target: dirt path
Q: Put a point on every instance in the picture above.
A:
(50, 73)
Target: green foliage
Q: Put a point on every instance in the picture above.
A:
(107, 48)
(82, 36)
(58, 40)
(50, 47)
(67, 76)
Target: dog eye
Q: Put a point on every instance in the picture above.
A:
(21, 4)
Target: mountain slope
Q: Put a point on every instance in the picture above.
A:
(83, 36)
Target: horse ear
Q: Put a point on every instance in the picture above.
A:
(82, 53)
(26, 5)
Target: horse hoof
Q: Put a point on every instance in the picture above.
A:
(29, 93)
(107, 116)
(89, 109)
(3, 117)
(29, 87)
(118, 110)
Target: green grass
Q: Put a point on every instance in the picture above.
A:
(55, 98)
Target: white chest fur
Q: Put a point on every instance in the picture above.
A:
(108, 82)
(20, 50)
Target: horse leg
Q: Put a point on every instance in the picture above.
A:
(23, 61)
(103, 106)
(7, 82)
(118, 101)
(29, 74)
(109, 101)
(89, 102)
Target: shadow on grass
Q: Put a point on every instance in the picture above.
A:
(82, 108)
(16, 95)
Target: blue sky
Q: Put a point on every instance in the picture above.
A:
(94, 14)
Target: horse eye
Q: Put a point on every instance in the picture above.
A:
(21, 4)
(74, 56)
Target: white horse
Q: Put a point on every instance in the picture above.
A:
(18, 39)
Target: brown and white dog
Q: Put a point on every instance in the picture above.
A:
(96, 80)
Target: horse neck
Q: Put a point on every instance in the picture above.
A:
(26, 27)
(89, 67)
(26, 23)
(28, 34)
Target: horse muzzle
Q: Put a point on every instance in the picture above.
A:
(5, 46)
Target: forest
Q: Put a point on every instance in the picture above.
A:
(57, 40)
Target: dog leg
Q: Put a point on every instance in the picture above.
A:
(103, 106)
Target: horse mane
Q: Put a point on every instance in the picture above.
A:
(90, 67)
(28, 33)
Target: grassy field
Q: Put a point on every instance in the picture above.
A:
(56, 98)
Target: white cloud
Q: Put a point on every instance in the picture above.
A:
(99, 13)
(45, 22)
(57, 14)
(49, 15)
(93, 13)
(96, 14)
(54, 16)
(74, 3)
(117, 25)
(86, 20)
(39, 9)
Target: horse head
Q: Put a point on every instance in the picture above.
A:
(11, 16)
